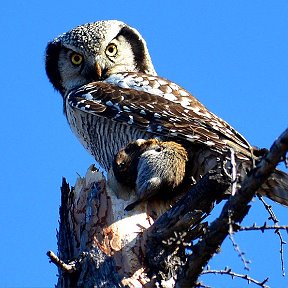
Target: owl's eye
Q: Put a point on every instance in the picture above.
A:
(76, 59)
(111, 50)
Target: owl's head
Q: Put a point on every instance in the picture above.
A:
(94, 51)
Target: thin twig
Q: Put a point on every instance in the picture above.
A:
(70, 268)
(278, 232)
(239, 252)
(262, 228)
(218, 230)
(269, 210)
(236, 246)
(229, 272)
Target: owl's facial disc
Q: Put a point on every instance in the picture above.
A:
(69, 67)
(93, 52)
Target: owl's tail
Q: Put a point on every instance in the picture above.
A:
(276, 187)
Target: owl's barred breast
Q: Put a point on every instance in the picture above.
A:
(102, 137)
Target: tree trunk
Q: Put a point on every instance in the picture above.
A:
(100, 244)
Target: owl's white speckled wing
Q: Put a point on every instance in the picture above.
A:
(157, 106)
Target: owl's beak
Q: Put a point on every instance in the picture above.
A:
(98, 70)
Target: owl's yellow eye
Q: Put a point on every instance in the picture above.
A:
(76, 59)
(111, 50)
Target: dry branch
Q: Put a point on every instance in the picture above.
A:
(186, 213)
(233, 211)
(246, 277)
(263, 228)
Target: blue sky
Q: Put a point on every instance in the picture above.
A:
(232, 56)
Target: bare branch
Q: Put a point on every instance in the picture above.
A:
(70, 268)
(240, 253)
(277, 229)
(278, 232)
(242, 276)
(263, 228)
(269, 210)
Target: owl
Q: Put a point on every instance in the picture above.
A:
(112, 96)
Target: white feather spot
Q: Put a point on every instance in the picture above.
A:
(123, 84)
(215, 127)
(142, 112)
(194, 137)
(162, 82)
(87, 96)
(131, 120)
(170, 97)
(183, 93)
(174, 86)
(155, 181)
(114, 78)
(168, 90)
(149, 129)
(185, 102)
(140, 141)
(117, 107)
(154, 85)
(165, 112)
(126, 108)
(196, 109)
(109, 103)
(139, 79)
(209, 143)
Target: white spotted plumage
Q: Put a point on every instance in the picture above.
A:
(112, 95)
(177, 106)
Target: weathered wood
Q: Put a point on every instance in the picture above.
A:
(102, 245)
(98, 237)
(180, 225)
(233, 211)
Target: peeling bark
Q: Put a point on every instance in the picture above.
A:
(96, 229)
